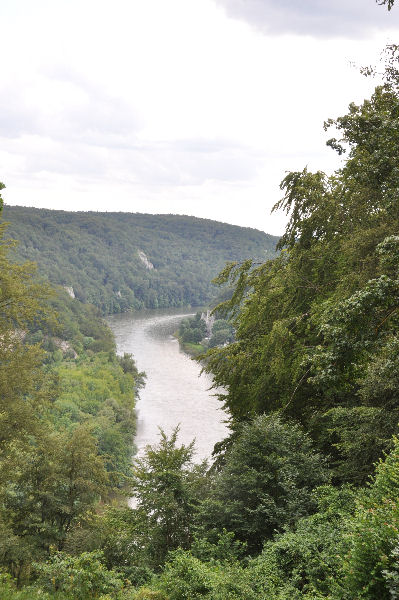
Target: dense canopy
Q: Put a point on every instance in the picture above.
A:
(124, 260)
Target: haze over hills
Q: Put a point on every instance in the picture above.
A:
(130, 260)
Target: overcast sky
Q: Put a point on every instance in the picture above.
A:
(194, 107)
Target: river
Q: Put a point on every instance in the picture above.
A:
(175, 393)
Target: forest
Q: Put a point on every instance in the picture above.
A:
(195, 337)
(102, 256)
(302, 499)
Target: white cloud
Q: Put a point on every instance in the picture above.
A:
(169, 106)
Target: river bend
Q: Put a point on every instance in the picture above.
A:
(175, 393)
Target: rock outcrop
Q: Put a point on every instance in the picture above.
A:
(144, 259)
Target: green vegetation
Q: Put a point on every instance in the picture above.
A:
(311, 386)
(193, 349)
(98, 254)
(302, 501)
(222, 333)
(192, 329)
(67, 427)
(97, 391)
(265, 483)
(195, 338)
(191, 334)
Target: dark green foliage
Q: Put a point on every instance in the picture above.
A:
(192, 329)
(186, 577)
(136, 541)
(118, 533)
(129, 366)
(97, 254)
(222, 333)
(357, 437)
(302, 562)
(317, 327)
(58, 479)
(167, 487)
(265, 484)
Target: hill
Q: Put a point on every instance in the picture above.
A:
(119, 260)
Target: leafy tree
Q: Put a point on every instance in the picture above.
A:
(24, 386)
(316, 327)
(185, 576)
(166, 489)
(265, 483)
(117, 532)
(129, 366)
(2, 186)
(97, 391)
(62, 477)
(193, 329)
(305, 560)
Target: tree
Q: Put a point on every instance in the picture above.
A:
(313, 324)
(389, 3)
(58, 480)
(24, 386)
(166, 488)
(2, 186)
(129, 366)
(265, 483)
(80, 577)
(370, 568)
(304, 560)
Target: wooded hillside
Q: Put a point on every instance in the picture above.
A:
(98, 254)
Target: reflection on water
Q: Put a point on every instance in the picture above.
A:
(175, 393)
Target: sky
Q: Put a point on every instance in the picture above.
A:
(195, 107)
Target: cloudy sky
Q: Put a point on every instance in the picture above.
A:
(193, 107)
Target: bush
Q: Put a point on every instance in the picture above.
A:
(370, 568)
(81, 577)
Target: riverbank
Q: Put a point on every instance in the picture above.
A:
(175, 391)
(191, 349)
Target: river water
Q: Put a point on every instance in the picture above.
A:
(175, 393)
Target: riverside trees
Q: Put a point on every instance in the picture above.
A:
(66, 418)
(311, 383)
(317, 343)
(24, 386)
(317, 327)
(98, 255)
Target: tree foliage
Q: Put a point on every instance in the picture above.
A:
(66, 413)
(316, 327)
(24, 386)
(166, 488)
(98, 254)
(265, 484)
(288, 510)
